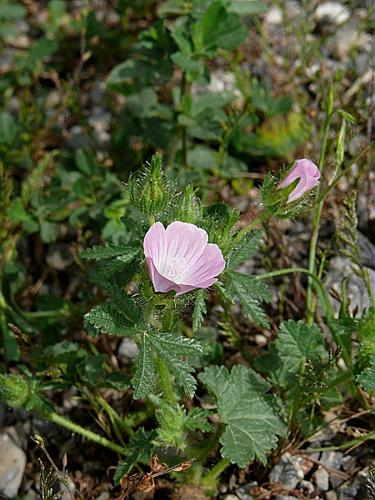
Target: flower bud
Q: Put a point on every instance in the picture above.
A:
(150, 192)
(307, 173)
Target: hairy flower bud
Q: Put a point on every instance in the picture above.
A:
(307, 173)
(150, 191)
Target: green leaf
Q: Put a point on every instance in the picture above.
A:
(218, 29)
(106, 252)
(144, 375)
(251, 292)
(8, 128)
(108, 318)
(196, 419)
(139, 450)
(251, 416)
(12, 11)
(297, 342)
(171, 420)
(171, 348)
(246, 7)
(199, 309)
(247, 248)
(366, 378)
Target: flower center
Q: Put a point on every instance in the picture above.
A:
(175, 268)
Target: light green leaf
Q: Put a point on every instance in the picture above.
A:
(251, 293)
(246, 7)
(251, 416)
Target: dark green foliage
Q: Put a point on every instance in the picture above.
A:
(171, 349)
(246, 249)
(139, 451)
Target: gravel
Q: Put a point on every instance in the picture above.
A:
(12, 463)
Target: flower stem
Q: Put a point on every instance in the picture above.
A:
(68, 424)
(328, 311)
(344, 446)
(166, 383)
(264, 215)
(317, 213)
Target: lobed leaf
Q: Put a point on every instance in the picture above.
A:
(251, 293)
(247, 248)
(199, 309)
(251, 416)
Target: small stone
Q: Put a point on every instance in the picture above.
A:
(128, 350)
(358, 299)
(231, 497)
(60, 256)
(306, 486)
(12, 466)
(78, 138)
(287, 471)
(331, 495)
(333, 12)
(274, 16)
(243, 493)
(103, 496)
(321, 478)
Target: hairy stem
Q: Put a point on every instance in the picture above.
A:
(166, 383)
(263, 216)
(96, 438)
(209, 480)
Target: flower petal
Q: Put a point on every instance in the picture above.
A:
(185, 240)
(210, 265)
(161, 284)
(154, 244)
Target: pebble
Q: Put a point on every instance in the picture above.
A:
(78, 138)
(340, 268)
(333, 12)
(331, 495)
(60, 256)
(128, 350)
(243, 492)
(231, 497)
(12, 465)
(321, 478)
(287, 471)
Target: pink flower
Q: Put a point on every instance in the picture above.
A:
(307, 173)
(179, 257)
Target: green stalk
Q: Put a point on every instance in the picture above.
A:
(166, 383)
(316, 216)
(344, 446)
(96, 438)
(208, 482)
(328, 311)
(263, 216)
